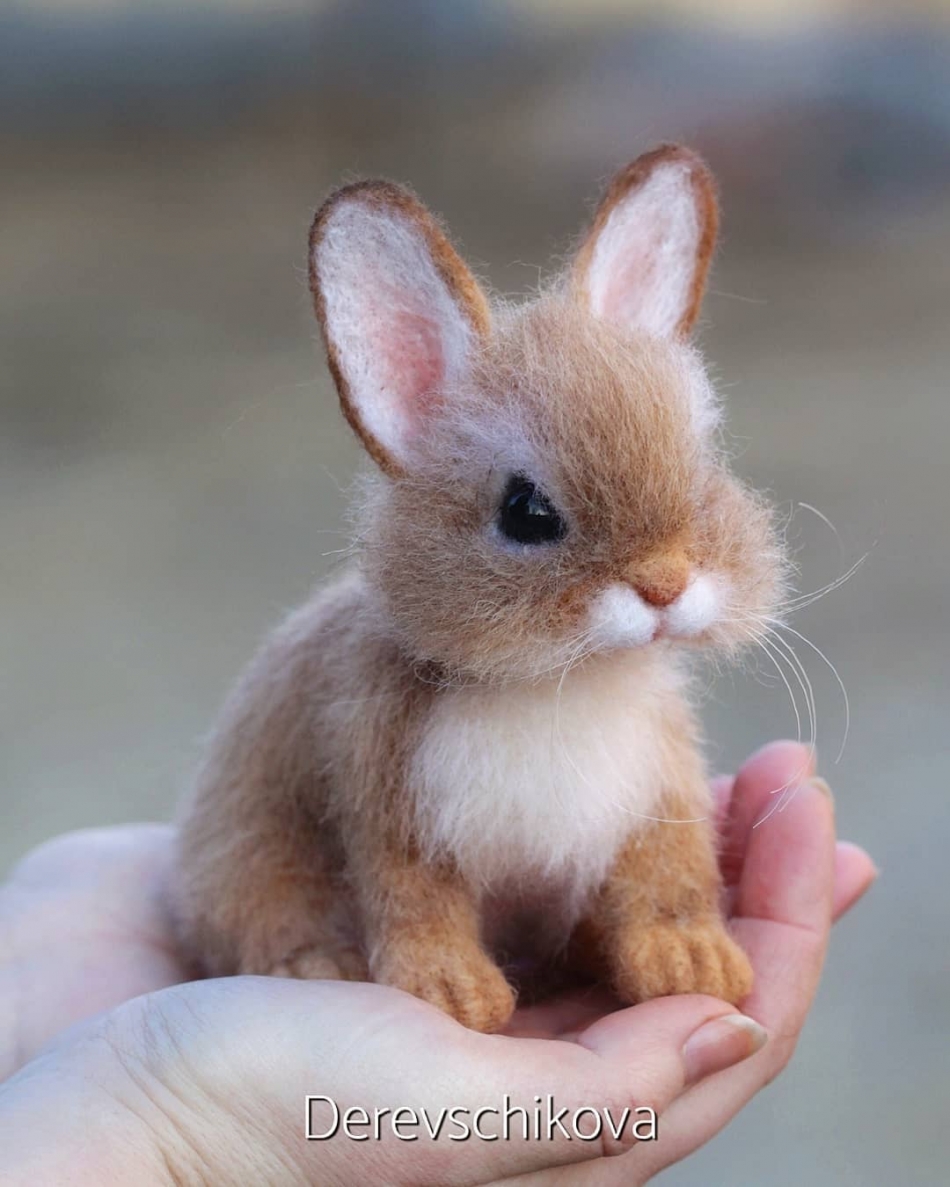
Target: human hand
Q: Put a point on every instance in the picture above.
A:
(210, 1078)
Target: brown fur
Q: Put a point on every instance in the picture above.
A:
(656, 920)
(300, 850)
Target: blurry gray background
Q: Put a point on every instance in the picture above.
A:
(172, 463)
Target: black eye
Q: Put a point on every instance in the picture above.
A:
(526, 516)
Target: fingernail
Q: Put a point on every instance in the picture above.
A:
(820, 785)
(721, 1043)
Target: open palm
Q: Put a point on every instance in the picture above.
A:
(84, 927)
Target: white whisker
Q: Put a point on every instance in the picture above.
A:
(774, 654)
(791, 696)
(825, 520)
(837, 676)
(804, 681)
(804, 600)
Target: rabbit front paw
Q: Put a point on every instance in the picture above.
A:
(463, 982)
(698, 956)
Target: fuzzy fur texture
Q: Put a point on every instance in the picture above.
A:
(467, 741)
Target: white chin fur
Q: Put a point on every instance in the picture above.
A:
(621, 618)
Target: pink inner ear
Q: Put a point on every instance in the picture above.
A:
(414, 364)
(403, 364)
(644, 262)
(632, 284)
(398, 334)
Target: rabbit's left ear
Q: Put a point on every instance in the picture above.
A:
(644, 261)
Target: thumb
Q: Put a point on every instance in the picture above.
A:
(603, 1090)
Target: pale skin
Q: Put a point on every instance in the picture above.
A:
(204, 1082)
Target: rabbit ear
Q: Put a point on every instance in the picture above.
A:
(643, 264)
(398, 309)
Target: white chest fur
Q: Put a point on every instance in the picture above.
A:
(537, 785)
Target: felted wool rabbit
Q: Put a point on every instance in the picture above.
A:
(478, 743)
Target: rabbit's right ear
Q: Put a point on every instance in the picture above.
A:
(399, 311)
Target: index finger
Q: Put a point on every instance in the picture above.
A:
(767, 780)
(783, 920)
(783, 906)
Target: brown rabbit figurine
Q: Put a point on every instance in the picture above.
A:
(480, 739)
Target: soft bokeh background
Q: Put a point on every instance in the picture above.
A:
(173, 467)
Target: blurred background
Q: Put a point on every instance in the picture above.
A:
(173, 466)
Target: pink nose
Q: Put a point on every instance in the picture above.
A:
(661, 578)
(660, 595)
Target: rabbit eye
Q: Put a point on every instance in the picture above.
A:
(527, 516)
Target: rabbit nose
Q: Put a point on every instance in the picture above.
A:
(661, 578)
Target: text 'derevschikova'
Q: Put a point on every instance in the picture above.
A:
(542, 1120)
